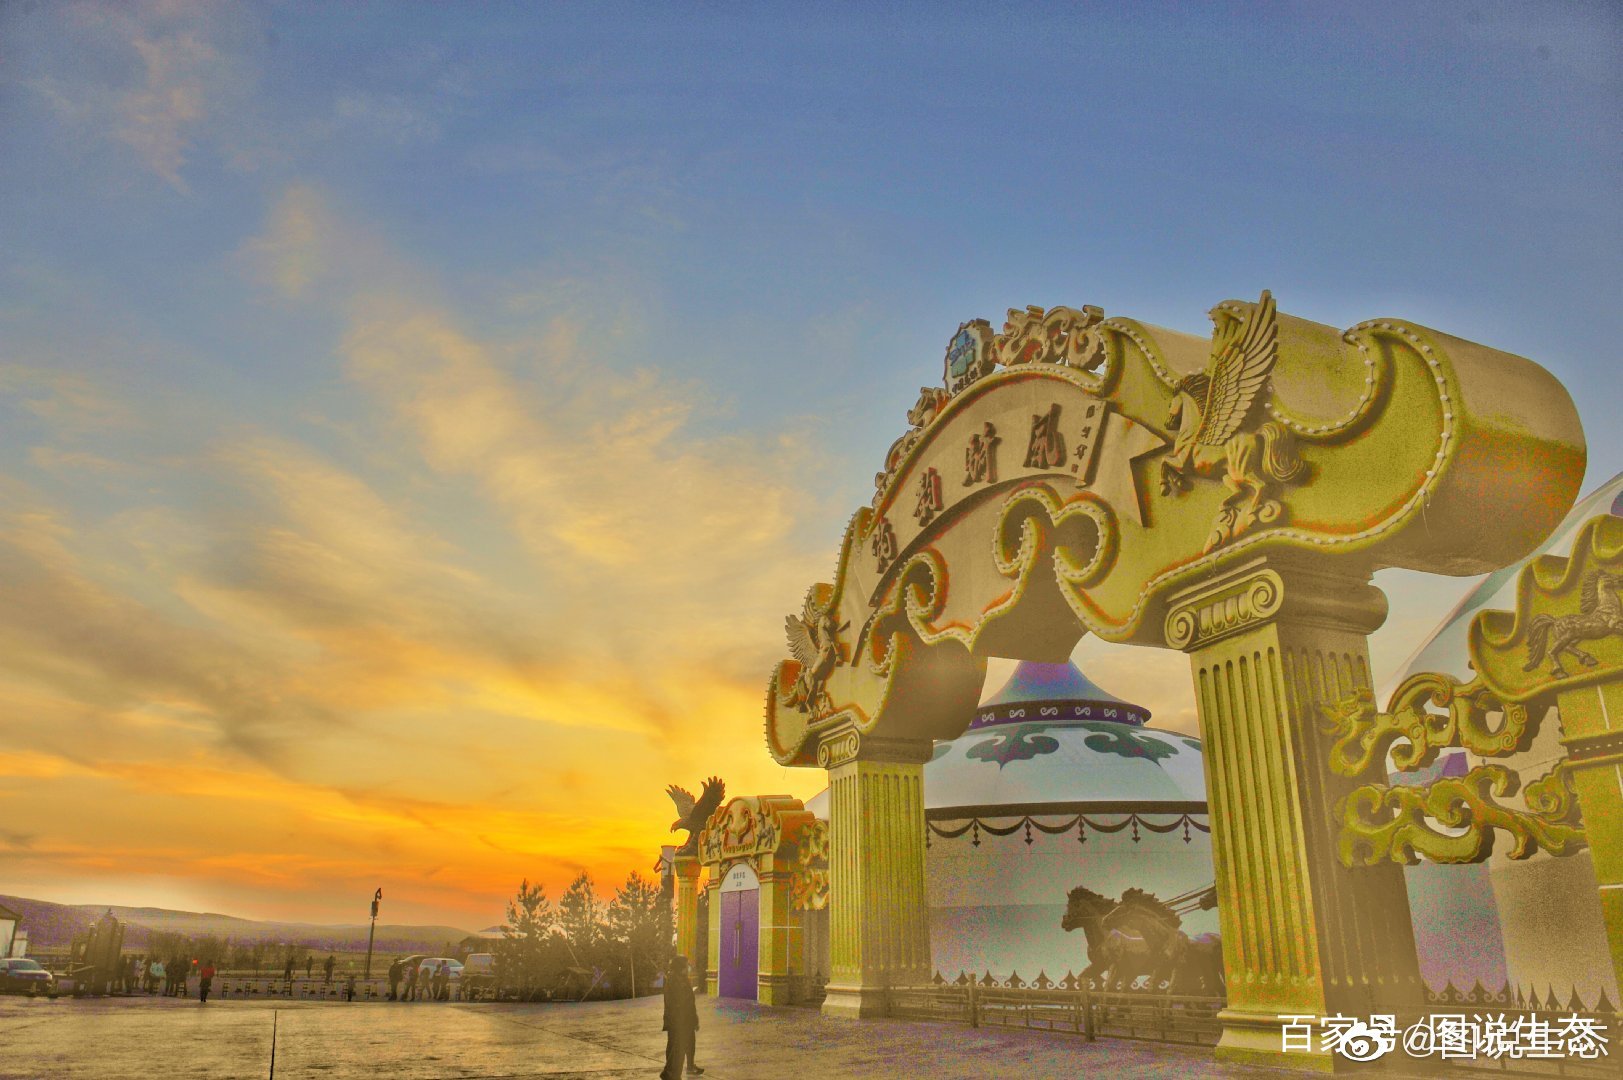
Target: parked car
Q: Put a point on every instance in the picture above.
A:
(22, 976)
(427, 968)
(479, 976)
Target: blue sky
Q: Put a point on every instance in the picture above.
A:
(327, 331)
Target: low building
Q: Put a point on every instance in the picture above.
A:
(9, 922)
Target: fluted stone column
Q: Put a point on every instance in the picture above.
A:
(779, 941)
(1592, 732)
(879, 917)
(686, 869)
(1269, 641)
(712, 967)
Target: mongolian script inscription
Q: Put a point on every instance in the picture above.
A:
(1087, 440)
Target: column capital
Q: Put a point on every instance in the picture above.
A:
(1272, 589)
(845, 744)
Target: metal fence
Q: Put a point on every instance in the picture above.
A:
(1091, 1014)
(1072, 1008)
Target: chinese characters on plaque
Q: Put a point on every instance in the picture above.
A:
(928, 502)
(882, 542)
(1046, 448)
(980, 457)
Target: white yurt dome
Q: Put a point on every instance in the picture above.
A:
(1055, 783)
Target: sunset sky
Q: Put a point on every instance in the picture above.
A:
(416, 420)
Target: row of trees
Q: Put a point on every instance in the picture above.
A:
(227, 955)
(585, 946)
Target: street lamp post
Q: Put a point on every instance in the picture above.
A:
(371, 932)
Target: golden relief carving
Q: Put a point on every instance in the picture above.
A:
(1521, 658)
(1600, 614)
(1213, 413)
(814, 640)
(1567, 629)
(1364, 735)
(1058, 335)
(1377, 416)
(1380, 822)
(808, 883)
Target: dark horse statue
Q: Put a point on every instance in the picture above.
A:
(1116, 958)
(1139, 936)
(1183, 964)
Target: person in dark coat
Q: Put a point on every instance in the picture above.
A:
(681, 1021)
(205, 981)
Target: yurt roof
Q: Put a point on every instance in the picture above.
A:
(1052, 739)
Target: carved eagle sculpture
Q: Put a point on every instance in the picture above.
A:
(693, 813)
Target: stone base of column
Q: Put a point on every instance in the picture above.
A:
(855, 1002)
(1256, 1039)
(775, 989)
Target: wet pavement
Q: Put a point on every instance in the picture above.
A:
(176, 1039)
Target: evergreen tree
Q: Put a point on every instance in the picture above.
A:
(580, 916)
(639, 924)
(524, 960)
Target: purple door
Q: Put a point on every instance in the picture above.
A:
(740, 937)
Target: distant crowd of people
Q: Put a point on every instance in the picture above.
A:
(137, 975)
(413, 980)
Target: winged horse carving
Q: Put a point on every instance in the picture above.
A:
(1212, 411)
(814, 642)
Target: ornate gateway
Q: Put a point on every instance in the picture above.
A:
(1229, 497)
(787, 848)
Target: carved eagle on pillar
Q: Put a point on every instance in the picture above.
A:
(693, 813)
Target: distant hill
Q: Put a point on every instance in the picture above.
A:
(53, 926)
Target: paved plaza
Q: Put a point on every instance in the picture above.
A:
(176, 1039)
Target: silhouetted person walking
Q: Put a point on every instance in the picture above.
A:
(681, 1021)
(327, 967)
(205, 979)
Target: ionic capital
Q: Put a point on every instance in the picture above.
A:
(844, 745)
(1269, 590)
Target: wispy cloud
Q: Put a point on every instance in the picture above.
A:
(529, 587)
(154, 76)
